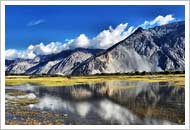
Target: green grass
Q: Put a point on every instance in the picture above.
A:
(178, 79)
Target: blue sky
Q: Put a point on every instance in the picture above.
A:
(48, 28)
(57, 23)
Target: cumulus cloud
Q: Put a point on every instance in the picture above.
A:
(34, 50)
(34, 23)
(11, 54)
(159, 20)
(111, 36)
(103, 40)
(81, 41)
(39, 49)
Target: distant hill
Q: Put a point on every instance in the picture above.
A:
(61, 63)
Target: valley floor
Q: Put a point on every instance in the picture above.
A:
(178, 79)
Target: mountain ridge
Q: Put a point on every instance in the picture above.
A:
(41, 61)
(161, 48)
(144, 54)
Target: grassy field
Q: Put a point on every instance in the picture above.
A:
(178, 79)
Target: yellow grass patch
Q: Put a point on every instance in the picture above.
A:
(178, 79)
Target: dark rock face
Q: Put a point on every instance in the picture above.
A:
(157, 49)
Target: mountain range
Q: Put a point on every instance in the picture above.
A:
(155, 49)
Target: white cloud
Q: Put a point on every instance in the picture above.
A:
(109, 37)
(39, 49)
(103, 40)
(159, 20)
(36, 22)
(81, 41)
(162, 20)
(11, 54)
(34, 50)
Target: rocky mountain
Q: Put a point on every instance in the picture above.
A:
(60, 63)
(18, 66)
(156, 49)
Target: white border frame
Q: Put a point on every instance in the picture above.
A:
(186, 3)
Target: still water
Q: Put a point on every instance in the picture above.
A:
(114, 102)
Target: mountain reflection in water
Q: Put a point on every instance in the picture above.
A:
(114, 102)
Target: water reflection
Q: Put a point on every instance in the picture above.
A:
(103, 109)
(116, 102)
